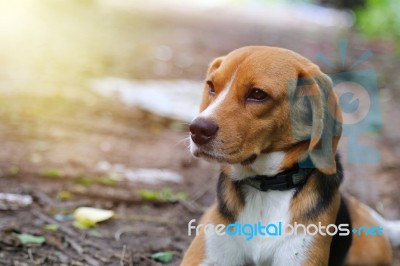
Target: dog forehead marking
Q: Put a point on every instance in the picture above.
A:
(209, 111)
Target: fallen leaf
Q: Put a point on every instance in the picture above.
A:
(163, 257)
(86, 217)
(64, 195)
(165, 194)
(14, 170)
(30, 239)
(52, 172)
(148, 194)
(182, 196)
(51, 227)
(106, 180)
(83, 224)
(85, 181)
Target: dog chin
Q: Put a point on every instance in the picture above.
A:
(199, 152)
(211, 157)
(208, 156)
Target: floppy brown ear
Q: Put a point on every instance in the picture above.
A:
(316, 116)
(215, 64)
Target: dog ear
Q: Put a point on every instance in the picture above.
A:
(316, 117)
(215, 64)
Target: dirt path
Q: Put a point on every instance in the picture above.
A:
(35, 139)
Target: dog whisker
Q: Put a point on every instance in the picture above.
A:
(185, 141)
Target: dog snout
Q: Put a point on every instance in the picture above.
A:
(203, 130)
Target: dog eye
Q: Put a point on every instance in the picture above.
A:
(211, 89)
(257, 95)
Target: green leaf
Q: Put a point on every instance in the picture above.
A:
(148, 194)
(165, 194)
(87, 217)
(106, 180)
(85, 181)
(14, 170)
(52, 172)
(64, 195)
(163, 257)
(84, 224)
(51, 227)
(30, 239)
(182, 196)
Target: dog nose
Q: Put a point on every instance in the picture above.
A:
(203, 130)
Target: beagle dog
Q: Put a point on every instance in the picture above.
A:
(271, 119)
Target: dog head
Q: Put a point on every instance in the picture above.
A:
(259, 101)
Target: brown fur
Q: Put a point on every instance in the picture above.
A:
(231, 195)
(319, 251)
(366, 250)
(258, 127)
(247, 129)
(196, 251)
(263, 127)
(306, 198)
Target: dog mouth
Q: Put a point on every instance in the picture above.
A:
(210, 157)
(224, 159)
(233, 155)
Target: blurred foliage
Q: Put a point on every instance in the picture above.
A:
(65, 195)
(27, 239)
(343, 4)
(107, 180)
(13, 170)
(51, 227)
(380, 19)
(163, 257)
(165, 194)
(52, 172)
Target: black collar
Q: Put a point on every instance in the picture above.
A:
(286, 180)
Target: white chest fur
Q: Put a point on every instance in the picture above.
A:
(269, 207)
(265, 164)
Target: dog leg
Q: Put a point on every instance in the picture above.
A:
(367, 249)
